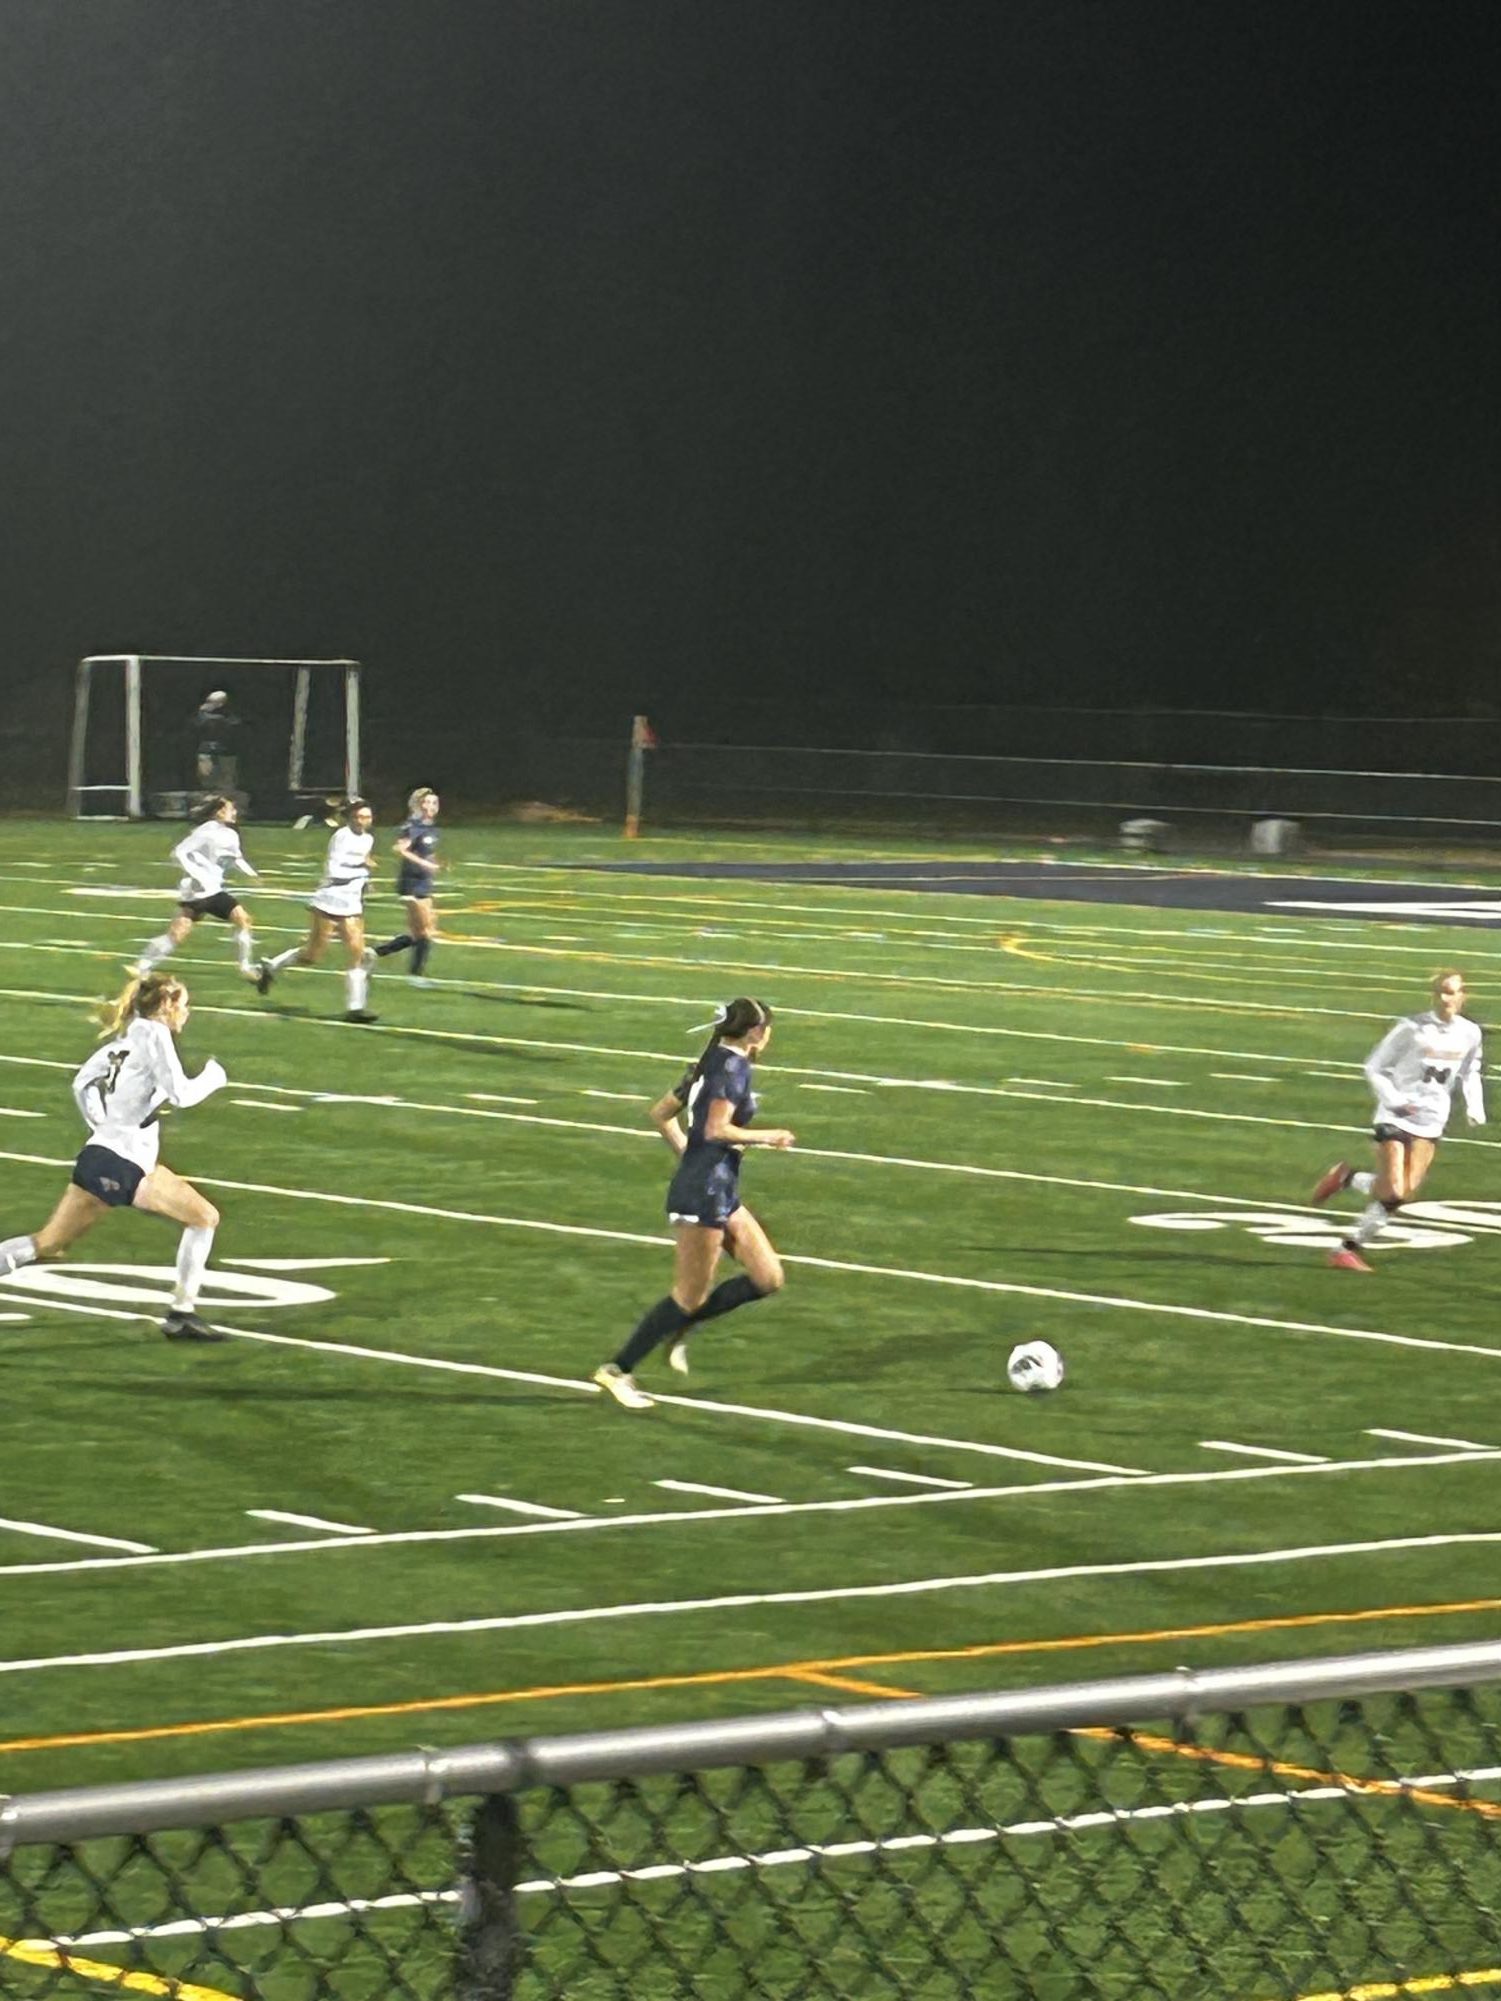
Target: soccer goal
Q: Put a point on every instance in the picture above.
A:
(291, 735)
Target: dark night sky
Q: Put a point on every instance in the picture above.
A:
(1006, 352)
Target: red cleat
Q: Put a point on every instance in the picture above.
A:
(1332, 1182)
(1344, 1259)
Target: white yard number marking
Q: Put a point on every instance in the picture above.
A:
(151, 1285)
(1420, 1226)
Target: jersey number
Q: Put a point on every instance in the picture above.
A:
(1436, 1073)
(111, 1077)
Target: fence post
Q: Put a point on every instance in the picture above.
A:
(643, 739)
(490, 1942)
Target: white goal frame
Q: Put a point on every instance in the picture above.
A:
(131, 790)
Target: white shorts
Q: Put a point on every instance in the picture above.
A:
(340, 902)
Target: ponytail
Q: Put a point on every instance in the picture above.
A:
(732, 1019)
(141, 997)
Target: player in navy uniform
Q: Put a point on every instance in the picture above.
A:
(1415, 1072)
(120, 1091)
(703, 1202)
(417, 845)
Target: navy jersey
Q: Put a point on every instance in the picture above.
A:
(421, 836)
(706, 1187)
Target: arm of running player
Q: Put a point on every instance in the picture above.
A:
(1471, 1086)
(242, 864)
(1381, 1064)
(666, 1115)
(174, 1082)
(719, 1126)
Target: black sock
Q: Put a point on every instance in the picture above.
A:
(665, 1319)
(732, 1292)
(421, 950)
(393, 945)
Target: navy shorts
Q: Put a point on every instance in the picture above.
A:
(106, 1176)
(1381, 1134)
(221, 905)
(417, 888)
(705, 1192)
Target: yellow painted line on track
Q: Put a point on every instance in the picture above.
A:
(37, 1952)
(726, 1677)
(1425, 1983)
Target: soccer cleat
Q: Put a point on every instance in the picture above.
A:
(360, 1014)
(181, 1324)
(263, 976)
(1345, 1259)
(616, 1383)
(418, 980)
(1331, 1183)
(677, 1357)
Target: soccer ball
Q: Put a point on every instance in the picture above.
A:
(1035, 1365)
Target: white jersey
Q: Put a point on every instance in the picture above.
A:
(346, 875)
(204, 856)
(1417, 1068)
(124, 1082)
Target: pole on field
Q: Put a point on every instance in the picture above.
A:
(643, 739)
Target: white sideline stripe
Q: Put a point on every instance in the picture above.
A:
(674, 1518)
(745, 1600)
(74, 1535)
(991, 1285)
(914, 1479)
(716, 1865)
(717, 1493)
(524, 1507)
(1427, 1438)
(308, 1521)
(1264, 1452)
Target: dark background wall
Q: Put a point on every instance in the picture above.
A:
(561, 358)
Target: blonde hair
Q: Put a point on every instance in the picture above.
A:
(1445, 973)
(142, 998)
(416, 798)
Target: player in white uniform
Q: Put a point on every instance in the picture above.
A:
(1416, 1071)
(119, 1091)
(338, 904)
(205, 856)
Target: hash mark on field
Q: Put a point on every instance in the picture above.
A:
(263, 1105)
(1265, 1452)
(1045, 1083)
(521, 1507)
(308, 1521)
(844, 1090)
(75, 1535)
(622, 1097)
(914, 1479)
(1161, 1083)
(498, 1098)
(716, 1493)
(1240, 1077)
(1427, 1438)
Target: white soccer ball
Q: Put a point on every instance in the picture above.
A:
(1035, 1365)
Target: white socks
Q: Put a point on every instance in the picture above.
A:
(284, 958)
(1362, 1183)
(245, 950)
(192, 1259)
(15, 1252)
(356, 986)
(1371, 1220)
(155, 952)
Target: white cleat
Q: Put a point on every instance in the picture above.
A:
(616, 1383)
(677, 1357)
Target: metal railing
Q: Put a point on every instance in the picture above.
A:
(1309, 1829)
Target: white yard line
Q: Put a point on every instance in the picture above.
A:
(734, 1601)
(717, 1493)
(1157, 1083)
(1427, 1438)
(522, 1507)
(909, 1479)
(308, 1521)
(1264, 1452)
(1242, 1077)
(677, 1517)
(74, 1535)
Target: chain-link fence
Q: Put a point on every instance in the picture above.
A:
(1306, 1830)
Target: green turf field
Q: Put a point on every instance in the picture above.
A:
(439, 1226)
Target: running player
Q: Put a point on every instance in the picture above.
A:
(338, 904)
(417, 845)
(204, 856)
(1416, 1070)
(703, 1201)
(119, 1092)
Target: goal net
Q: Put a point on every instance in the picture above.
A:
(286, 736)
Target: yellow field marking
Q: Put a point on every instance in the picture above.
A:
(847, 1683)
(725, 1677)
(1426, 1983)
(37, 1952)
(1244, 1761)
